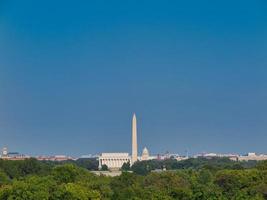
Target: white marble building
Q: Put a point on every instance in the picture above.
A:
(145, 154)
(113, 160)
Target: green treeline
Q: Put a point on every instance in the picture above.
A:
(192, 179)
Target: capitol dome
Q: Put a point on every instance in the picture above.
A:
(145, 154)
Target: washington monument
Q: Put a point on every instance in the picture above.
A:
(134, 140)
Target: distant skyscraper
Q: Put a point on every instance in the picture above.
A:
(134, 139)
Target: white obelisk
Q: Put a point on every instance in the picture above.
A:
(134, 140)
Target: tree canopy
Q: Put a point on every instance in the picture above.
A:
(195, 179)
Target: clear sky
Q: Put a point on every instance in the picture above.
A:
(72, 73)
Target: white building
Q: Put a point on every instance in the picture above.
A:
(252, 156)
(180, 158)
(145, 154)
(113, 160)
(233, 157)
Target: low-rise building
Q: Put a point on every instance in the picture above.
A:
(252, 156)
(54, 158)
(113, 160)
(233, 157)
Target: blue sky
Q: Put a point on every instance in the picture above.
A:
(72, 73)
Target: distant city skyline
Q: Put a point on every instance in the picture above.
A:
(73, 73)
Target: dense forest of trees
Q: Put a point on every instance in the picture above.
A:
(212, 164)
(193, 179)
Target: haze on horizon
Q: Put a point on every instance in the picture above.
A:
(73, 73)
